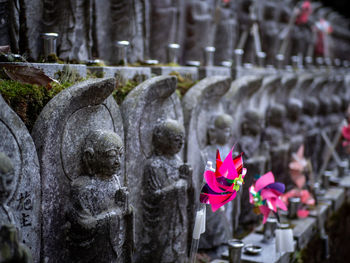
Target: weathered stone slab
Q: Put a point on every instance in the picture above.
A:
(160, 183)
(304, 230)
(214, 71)
(337, 196)
(74, 199)
(186, 72)
(51, 69)
(204, 119)
(345, 183)
(24, 199)
(321, 213)
(126, 73)
(267, 255)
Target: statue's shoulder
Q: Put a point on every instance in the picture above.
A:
(82, 182)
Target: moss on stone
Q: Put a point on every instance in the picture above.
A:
(29, 100)
(122, 89)
(183, 83)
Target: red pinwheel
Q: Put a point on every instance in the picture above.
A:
(265, 195)
(346, 134)
(222, 185)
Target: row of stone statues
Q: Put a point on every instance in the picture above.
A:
(90, 29)
(121, 183)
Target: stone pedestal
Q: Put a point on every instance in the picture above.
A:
(336, 196)
(345, 183)
(267, 255)
(321, 213)
(303, 231)
(214, 71)
(124, 72)
(186, 72)
(50, 69)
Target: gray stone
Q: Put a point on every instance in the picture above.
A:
(304, 230)
(200, 28)
(226, 32)
(75, 157)
(160, 184)
(214, 71)
(321, 212)
(172, 14)
(125, 73)
(52, 69)
(23, 35)
(118, 20)
(345, 183)
(186, 72)
(24, 199)
(208, 129)
(337, 196)
(73, 21)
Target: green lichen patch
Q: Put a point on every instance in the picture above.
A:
(124, 86)
(28, 100)
(183, 83)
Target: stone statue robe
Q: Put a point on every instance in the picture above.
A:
(97, 225)
(165, 211)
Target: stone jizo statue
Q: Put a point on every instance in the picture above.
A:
(101, 218)
(165, 196)
(11, 250)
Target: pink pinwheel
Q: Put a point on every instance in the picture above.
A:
(297, 167)
(222, 185)
(304, 13)
(305, 198)
(265, 195)
(346, 135)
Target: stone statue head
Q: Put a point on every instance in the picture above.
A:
(275, 115)
(6, 177)
(325, 106)
(168, 137)
(310, 106)
(294, 108)
(220, 129)
(251, 124)
(102, 152)
(336, 104)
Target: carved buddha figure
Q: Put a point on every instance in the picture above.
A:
(249, 143)
(275, 116)
(165, 199)
(310, 129)
(200, 28)
(219, 134)
(11, 250)
(6, 178)
(292, 126)
(274, 139)
(100, 218)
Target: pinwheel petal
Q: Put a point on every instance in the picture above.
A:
(265, 211)
(216, 206)
(264, 181)
(212, 181)
(281, 204)
(277, 186)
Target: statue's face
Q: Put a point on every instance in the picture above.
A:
(104, 158)
(169, 137)
(5, 185)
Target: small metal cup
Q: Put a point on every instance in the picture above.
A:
(269, 229)
(293, 206)
(49, 43)
(308, 61)
(261, 59)
(173, 53)
(320, 61)
(193, 63)
(239, 57)
(325, 179)
(337, 62)
(295, 61)
(235, 250)
(209, 56)
(280, 61)
(122, 52)
(343, 168)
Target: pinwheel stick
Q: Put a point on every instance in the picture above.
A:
(199, 228)
(277, 216)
